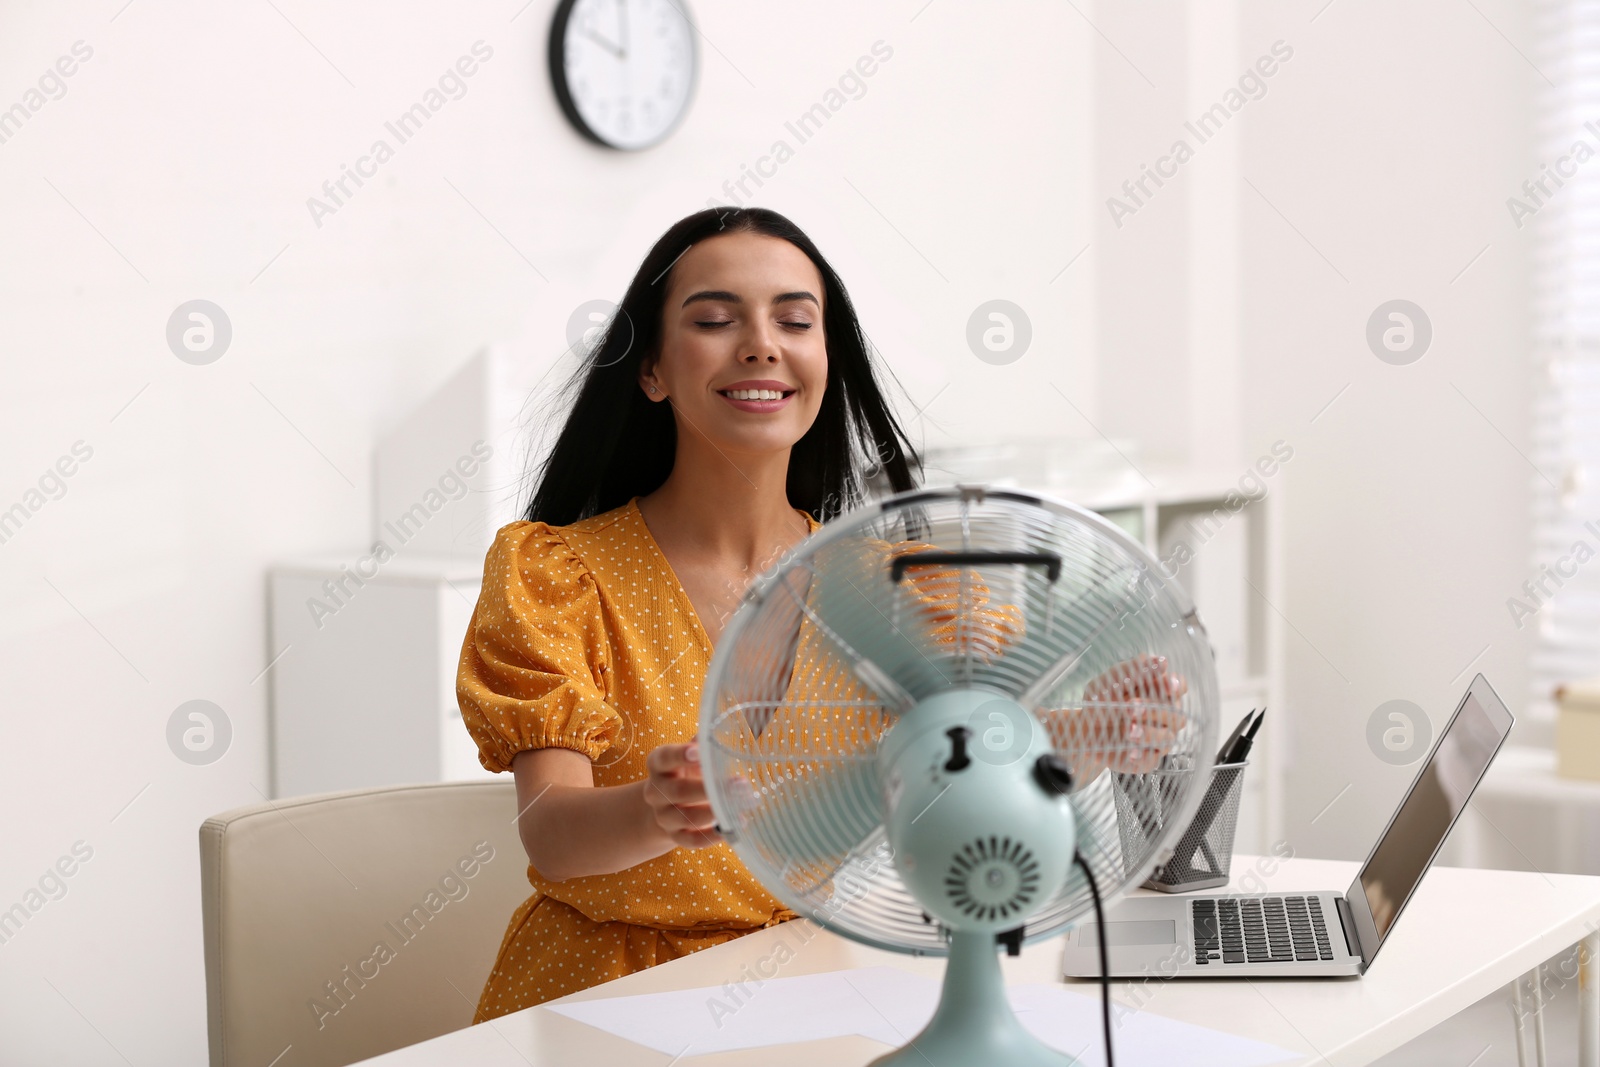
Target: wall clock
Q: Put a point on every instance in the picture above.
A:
(623, 70)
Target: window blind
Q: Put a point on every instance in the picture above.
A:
(1564, 588)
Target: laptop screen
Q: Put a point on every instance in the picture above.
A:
(1437, 797)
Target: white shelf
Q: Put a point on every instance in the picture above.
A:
(408, 567)
(1530, 774)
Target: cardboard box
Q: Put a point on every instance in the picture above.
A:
(1578, 730)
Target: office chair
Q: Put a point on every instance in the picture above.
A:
(344, 925)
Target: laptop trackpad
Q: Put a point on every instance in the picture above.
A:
(1131, 932)
(1134, 945)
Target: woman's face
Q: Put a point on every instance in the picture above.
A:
(742, 308)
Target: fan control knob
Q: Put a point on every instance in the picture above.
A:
(959, 760)
(1053, 774)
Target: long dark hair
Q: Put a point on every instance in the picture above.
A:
(617, 444)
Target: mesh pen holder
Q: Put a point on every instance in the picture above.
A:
(1203, 852)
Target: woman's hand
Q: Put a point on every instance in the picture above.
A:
(676, 794)
(1133, 716)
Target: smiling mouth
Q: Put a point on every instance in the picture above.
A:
(756, 394)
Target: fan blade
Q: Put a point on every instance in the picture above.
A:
(821, 814)
(803, 776)
(913, 631)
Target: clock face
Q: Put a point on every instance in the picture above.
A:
(623, 69)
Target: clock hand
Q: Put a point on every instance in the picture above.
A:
(603, 43)
(623, 5)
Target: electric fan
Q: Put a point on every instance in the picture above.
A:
(910, 730)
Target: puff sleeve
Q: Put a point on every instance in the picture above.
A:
(535, 660)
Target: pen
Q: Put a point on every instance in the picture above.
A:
(1233, 738)
(1241, 747)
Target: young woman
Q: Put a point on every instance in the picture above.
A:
(729, 410)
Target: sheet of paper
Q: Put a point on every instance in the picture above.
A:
(891, 1006)
(883, 1003)
(1071, 1021)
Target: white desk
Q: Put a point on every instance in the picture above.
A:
(1466, 934)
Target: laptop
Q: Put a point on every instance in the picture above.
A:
(1317, 934)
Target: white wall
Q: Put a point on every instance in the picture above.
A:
(975, 166)
(1391, 144)
(190, 142)
(1374, 166)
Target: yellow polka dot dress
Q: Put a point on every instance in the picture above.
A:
(582, 638)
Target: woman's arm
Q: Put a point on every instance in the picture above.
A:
(571, 828)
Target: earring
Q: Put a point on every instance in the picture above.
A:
(652, 388)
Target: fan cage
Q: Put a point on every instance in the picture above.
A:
(827, 652)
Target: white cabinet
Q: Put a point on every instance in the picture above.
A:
(363, 684)
(363, 687)
(1524, 816)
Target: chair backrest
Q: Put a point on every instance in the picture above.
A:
(349, 924)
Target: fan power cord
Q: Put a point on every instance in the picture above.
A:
(1105, 955)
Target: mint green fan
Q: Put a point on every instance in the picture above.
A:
(908, 736)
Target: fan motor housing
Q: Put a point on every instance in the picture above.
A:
(977, 837)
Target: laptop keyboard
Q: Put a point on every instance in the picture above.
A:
(1259, 930)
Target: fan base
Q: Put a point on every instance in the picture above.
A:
(974, 1026)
